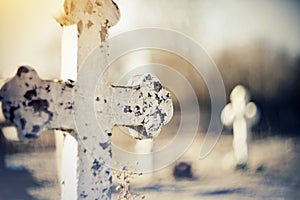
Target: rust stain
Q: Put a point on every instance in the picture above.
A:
(104, 31)
(79, 27)
(98, 3)
(88, 8)
(89, 24)
(72, 6)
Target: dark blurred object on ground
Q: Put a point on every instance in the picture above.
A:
(183, 170)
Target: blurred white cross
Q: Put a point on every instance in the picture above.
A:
(241, 114)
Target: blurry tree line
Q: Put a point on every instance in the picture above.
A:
(270, 73)
(272, 77)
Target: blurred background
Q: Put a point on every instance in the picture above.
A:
(253, 43)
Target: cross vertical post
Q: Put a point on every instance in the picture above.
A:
(89, 22)
(241, 114)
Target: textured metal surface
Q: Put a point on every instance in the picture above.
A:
(93, 19)
(32, 104)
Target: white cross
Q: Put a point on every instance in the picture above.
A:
(241, 114)
(31, 103)
(86, 19)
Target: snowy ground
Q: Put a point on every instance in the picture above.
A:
(273, 174)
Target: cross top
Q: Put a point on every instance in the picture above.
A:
(240, 107)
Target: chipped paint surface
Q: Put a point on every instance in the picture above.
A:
(93, 19)
(94, 174)
(32, 104)
(144, 106)
(88, 13)
(154, 108)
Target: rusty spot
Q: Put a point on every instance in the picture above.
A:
(89, 24)
(88, 8)
(72, 6)
(67, 8)
(98, 3)
(104, 31)
(79, 28)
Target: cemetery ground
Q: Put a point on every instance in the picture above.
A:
(273, 172)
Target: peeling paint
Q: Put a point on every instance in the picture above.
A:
(43, 104)
(31, 108)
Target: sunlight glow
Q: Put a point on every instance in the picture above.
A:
(66, 151)
(69, 48)
(10, 133)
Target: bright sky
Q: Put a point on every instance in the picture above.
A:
(30, 35)
(218, 23)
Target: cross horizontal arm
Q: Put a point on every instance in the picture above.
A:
(32, 104)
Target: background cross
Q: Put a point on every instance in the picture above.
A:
(240, 114)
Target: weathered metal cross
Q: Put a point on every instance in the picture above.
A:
(32, 104)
